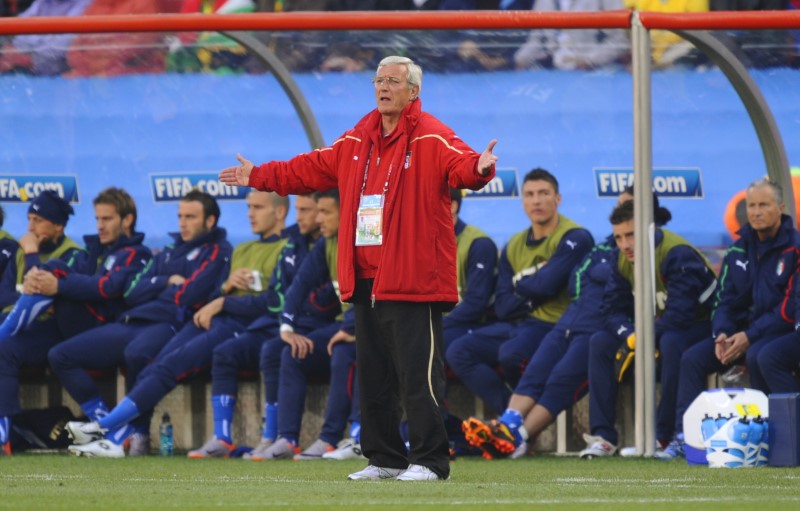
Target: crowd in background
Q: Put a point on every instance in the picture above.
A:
(314, 51)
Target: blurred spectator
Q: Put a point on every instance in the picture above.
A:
(208, 51)
(14, 7)
(760, 48)
(795, 34)
(370, 5)
(305, 50)
(668, 48)
(576, 48)
(42, 54)
(347, 57)
(120, 53)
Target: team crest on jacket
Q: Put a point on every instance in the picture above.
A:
(780, 268)
(110, 262)
(191, 256)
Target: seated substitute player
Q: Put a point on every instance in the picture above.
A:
(8, 249)
(82, 297)
(243, 351)
(476, 264)
(163, 297)
(189, 351)
(531, 294)
(557, 374)
(308, 355)
(684, 288)
(48, 215)
(755, 305)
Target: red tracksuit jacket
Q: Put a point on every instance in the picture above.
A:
(418, 260)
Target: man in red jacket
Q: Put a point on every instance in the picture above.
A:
(397, 259)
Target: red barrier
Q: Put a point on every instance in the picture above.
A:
(412, 20)
(722, 20)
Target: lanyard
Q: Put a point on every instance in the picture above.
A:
(366, 171)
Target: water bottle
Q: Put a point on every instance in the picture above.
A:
(708, 426)
(165, 433)
(738, 435)
(721, 421)
(763, 448)
(754, 440)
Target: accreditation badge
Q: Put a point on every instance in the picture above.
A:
(369, 221)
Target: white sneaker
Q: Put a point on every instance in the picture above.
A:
(521, 451)
(373, 473)
(98, 449)
(257, 454)
(83, 433)
(419, 473)
(598, 447)
(346, 450)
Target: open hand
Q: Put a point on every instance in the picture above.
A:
(487, 159)
(238, 175)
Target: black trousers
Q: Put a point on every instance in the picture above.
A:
(401, 367)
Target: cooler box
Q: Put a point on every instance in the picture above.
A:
(748, 403)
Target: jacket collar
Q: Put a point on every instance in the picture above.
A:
(409, 118)
(782, 237)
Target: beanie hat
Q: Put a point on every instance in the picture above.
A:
(50, 206)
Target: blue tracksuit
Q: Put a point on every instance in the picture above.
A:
(294, 373)
(245, 351)
(511, 342)
(475, 301)
(757, 295)
(8, 250)
(681, 323)
(339, 369)
(190, 351)
(556, 376)
(158, 310)
(84, 300)
(74, 258)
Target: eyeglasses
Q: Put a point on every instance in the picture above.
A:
(388, 80)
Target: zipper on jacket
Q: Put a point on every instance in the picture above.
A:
(373, 300)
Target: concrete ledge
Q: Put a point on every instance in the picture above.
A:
(192, 418)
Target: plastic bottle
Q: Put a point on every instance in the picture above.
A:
(721, 421)
(708, 426)
(738, 433)
(763, 448)
(754, 440)
(165, 433)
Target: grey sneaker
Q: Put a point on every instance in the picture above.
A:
(214, 448)
(346, 450)
(419, 473)
(282, 448)
(598, 447)
(373, 473)
(139, 445)
(316, 451)
(675, 449)
(83, 433)
(257, 454)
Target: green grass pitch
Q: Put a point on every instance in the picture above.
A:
(545, 482)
